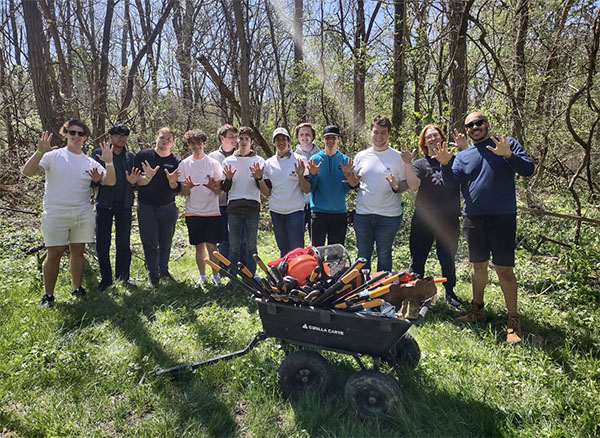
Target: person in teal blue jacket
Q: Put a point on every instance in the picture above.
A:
(328, 190)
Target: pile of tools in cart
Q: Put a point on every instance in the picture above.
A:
(323, 277)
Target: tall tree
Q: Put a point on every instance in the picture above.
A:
(458, 13)
(520, 68)
(240, 25)
(399, 62)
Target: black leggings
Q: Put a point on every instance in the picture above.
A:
(424, 229)
(330, 225)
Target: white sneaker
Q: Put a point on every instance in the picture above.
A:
(217, 280)
(200, 281)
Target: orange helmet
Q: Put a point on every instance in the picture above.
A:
(301, 267)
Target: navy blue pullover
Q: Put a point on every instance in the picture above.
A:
(487, 181)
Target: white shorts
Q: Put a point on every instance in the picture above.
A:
(75, 225)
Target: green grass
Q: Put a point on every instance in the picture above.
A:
(75, 370)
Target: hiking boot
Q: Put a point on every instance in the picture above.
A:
(452, 299)
(47, 301)
(79, 292)
(476, 314)
(514, 334)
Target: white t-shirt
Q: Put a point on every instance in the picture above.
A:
(243, 185)
(375, 195)
(68, 182)
(286, 194)
(202, 201)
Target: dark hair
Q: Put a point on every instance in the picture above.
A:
(381, 121)
(306, 125)
(119, 130)
(64, 130)
(194, 136)
(223, 130)
(246, 130)
(422, 144)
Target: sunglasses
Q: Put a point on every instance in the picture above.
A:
(79, 133)
(475, 123)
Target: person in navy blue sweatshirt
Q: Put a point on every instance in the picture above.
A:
(485, 173)
(328, 191)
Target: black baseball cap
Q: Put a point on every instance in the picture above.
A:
(119, 130)
(331, 130)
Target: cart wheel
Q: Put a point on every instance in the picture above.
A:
(406, 352)
(303, 370)
(371, 393)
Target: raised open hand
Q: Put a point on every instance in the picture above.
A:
(442, 153)
(172, 177)
(229, 172)
(299, 167)
(43, 144)
(212, 184)
(406, 154)
(460, 140)
(313, 168)
(392, 181)
(106, 152)
(148, 170)
(257, 171)
(349, 175)
(188, 183)
(132, 177)
(95, 174)
(502, 147)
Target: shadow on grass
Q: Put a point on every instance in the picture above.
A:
(129, 310)
(423, 411)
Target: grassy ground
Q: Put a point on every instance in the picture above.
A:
(74, 370)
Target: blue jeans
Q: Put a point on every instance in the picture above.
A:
(289, 230)
(157, 226)
(237, 223)
(223, 247)
(375, 229)
(104, 221)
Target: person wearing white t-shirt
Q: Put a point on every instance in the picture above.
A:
(305, 133)
(380, 175)
(285, 175)
(68, 218)
(200, 177)
(243, 172)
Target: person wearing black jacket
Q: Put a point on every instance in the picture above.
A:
(115, 202)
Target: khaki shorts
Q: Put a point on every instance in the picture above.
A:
(75, 225)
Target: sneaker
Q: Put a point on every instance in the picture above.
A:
(216, 280)
(452, 299)
(102, 286)
(79, 292)
(47, 301)
(514, 333)
(153, 283)
(476, 314)
(201, 281)
(168, 276)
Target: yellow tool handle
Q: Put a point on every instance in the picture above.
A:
(221, 258)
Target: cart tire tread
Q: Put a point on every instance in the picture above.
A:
(372, 393)
(406, 352)
(303, 370)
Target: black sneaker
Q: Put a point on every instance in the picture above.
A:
(103, 286)
(452, 299)
(79, 292)
(47, 301)
(153, 283)
(168, 276)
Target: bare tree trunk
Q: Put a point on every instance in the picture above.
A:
(299, 57)
(240, 25)
(15, 32)
(399, 63)
(457, 22)
(99, 119)
(280, 78)
(360, 67)
(520, 69)
(39, 68)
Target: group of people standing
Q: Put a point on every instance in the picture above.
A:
(307, 186)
